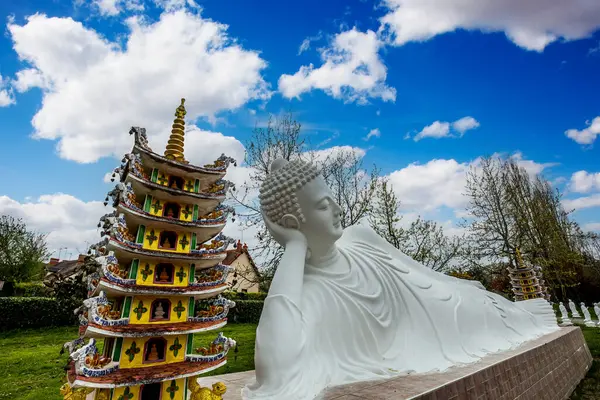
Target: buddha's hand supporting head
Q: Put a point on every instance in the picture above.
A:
(295, 197)
(287, 232)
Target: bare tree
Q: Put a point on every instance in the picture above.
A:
(510, 209)
(353, 187)
(423, 240)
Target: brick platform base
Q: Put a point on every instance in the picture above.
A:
(547, 368)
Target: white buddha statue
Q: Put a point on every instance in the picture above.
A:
(564, 315)
(597, 311)
(573, 309)
(346, 306)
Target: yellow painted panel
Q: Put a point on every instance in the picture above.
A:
(185, 184)
(119, 391)
(142, 307)
(176, 388)
(153, 240)
(133, 356)
(187, 212)
(156, 207)
(147, 275)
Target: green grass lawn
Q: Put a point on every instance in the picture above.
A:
(589, 388)
(31, 367)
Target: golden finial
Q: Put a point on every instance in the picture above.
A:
(174, 149)
(519, 258)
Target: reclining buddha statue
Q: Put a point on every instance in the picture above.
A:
(346, 306)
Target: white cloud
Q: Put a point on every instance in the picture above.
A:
(352, 70)
(465, 124)
(533, 168)
(424, 187)
(321, 155)
(91, 101)
(305, 45)
(531, 25)
(437, 183)
(592, 227)
(436, 130)
(373, 133)
(68, 221)
(439, 129)
(584, 182)
(582, 202)
(587, 135)
(6, 95)
(30, 78)
(107, 177)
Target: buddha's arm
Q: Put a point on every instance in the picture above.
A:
(280, 335)
(290, 273)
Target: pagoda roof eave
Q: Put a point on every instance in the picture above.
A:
(141, 185)
(188, 291)
(154, 160)
(143, 330)
(204, 229)
(200, 260)
(146, 375)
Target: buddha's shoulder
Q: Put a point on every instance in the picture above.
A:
(361, 233)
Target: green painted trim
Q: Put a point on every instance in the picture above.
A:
(116, 356)
(154, 176)
(191, 307)
(134, 268)
(126, 307)
(148, 203)
(140, 236)
(195, 215)
(192, 272)
(193, 241)
(190, 343)
(197, 186)
(185, 385)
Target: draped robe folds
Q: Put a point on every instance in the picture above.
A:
(388, 315)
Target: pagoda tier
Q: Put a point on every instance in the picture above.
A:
(128, 361)
(207, 174)
(152, 278)
(156, 315)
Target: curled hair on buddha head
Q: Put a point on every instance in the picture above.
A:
(278, 191)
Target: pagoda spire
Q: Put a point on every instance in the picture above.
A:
(174, 149)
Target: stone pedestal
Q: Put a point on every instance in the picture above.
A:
(547, 368)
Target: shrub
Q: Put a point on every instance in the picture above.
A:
(32, 289)
(246, 311)
(32, 312)
(231, 295)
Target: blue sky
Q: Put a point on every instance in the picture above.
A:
(524, 75)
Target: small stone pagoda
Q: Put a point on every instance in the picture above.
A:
(526, 281)
(157, 279)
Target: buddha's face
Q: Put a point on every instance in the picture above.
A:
(321, 212)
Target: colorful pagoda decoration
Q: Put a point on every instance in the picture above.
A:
(157, 278)
(526, 280)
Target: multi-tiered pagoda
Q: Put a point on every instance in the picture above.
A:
(158, 279)
(526, 280)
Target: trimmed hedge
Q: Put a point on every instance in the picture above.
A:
(235, 296)
(246, 311)
(32, 289)
(32, 312)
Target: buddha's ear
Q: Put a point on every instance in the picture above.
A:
(290, 221)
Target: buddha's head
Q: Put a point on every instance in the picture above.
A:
(295, 195)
